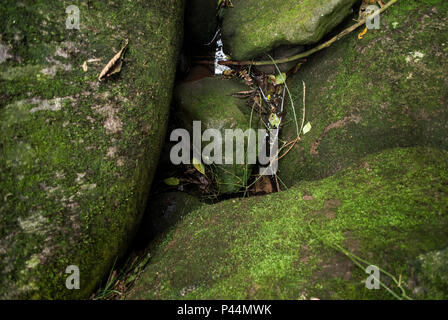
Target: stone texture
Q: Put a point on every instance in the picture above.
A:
(254, 27)
(78, 156)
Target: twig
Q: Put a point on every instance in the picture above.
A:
(277, 184)
(296, 140)
(304, 106)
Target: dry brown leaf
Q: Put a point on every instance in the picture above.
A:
(228, 72)
(114, 65)
(244, 93)
(243, 74)
(263, 185)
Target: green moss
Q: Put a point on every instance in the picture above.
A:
(252, 27)
(77, 157)
(431, 275)
(389, 208)
(367, 95)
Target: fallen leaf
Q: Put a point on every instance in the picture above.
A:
(307, 197)
(360, 36)
(228, 72)
(243, 74)
(263, 185)
(84, 65)
(171, 181)
(246, 92)
(198, 166)
(114, 65)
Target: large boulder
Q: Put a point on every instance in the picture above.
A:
(253, 27)
(389, 89)
(211, 101)
(78, 156)
(389, 210)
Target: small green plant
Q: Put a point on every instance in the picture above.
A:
(289, 144)
(120, 281)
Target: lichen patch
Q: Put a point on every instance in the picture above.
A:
(415, 57)
(4, 53)
(111, 151)
(113, 124)
(34, 224)
(33, 262)
(51, 105)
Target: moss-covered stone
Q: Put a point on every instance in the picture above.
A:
(253, 27)
(388, 209)
(211, 101)
(78, 156)
(431, 275)
(387, 90)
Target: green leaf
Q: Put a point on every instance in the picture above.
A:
(198, 166)
(274, 120)
(281, 78)
(307, 128)
(171, 181)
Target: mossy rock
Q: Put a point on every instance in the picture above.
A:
(362, 96)
(78, 156)
(387, 209)
(431, 275)
(254, 27)
(211, 101)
